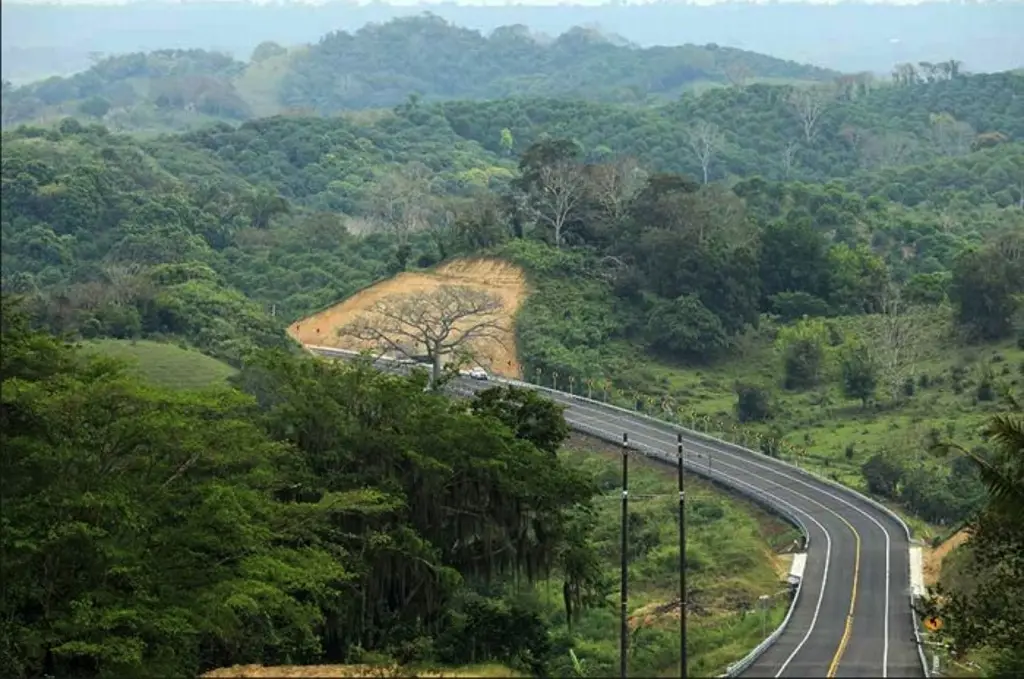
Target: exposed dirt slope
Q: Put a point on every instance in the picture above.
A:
(497, 277)
(933, 557)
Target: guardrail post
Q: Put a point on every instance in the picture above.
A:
(624, 565)
(763, 599)
(682, 560)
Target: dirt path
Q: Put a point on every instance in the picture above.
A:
(933, 557)
(495, 276)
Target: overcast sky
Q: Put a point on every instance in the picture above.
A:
(456, 2)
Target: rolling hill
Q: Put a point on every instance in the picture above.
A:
(382, 66)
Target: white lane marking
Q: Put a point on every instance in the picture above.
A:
(888, 543)
(828, 537)
(828, 549)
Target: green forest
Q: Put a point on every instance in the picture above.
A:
(829, 265)
(380, 65)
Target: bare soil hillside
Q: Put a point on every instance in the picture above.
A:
(933, 557)
(495, 276)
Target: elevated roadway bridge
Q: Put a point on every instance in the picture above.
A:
(852, 613)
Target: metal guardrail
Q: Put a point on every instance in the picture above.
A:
(403, 367)
(746, 451)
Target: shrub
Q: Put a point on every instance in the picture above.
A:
(753, 403)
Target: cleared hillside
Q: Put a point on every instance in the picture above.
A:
(495, 276)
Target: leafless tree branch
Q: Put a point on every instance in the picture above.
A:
(561, 188)
(705, 139)
(431, 325)
(809, 103)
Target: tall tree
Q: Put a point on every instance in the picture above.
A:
(986, 281)
(560, 190)
(898, 336)
(809, 103)
(262, 205)
(613, 186)
(859, 371)
(705, 141)
(434, 325)
(401, 200)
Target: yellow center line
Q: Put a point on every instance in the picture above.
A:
(853, 601)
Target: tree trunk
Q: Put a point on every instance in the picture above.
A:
(435, 373)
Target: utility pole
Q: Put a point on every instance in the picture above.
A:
(682, 561)
(624, 585)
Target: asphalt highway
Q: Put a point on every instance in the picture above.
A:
(853, 616)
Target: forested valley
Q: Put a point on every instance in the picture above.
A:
(831, 267)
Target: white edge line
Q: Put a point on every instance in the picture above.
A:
(885, 532)
(736, 484)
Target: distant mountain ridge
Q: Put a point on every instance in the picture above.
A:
(383, 65)
(41, 40)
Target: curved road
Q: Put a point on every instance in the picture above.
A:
(853, 616)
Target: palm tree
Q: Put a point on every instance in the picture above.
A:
(1002, 473)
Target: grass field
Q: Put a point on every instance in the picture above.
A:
(165, 364)
(834, 435)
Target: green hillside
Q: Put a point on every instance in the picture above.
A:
(165, 364)
(929, 388)
(846, 303)
(181, 89)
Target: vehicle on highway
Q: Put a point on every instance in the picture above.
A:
(478, 373)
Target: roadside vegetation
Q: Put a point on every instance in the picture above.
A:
(830, 274)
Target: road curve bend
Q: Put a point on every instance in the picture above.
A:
(852, 616)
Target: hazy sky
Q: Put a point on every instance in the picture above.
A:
(461, 2)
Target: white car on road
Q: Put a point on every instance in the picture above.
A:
(478, 373)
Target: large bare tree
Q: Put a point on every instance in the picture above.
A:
(898, 337)
(401, 200)
(561, 187)
(809, 103)
(705, 140)
(431, 325)
(738, 74)
(887, 150)
(613, 185)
